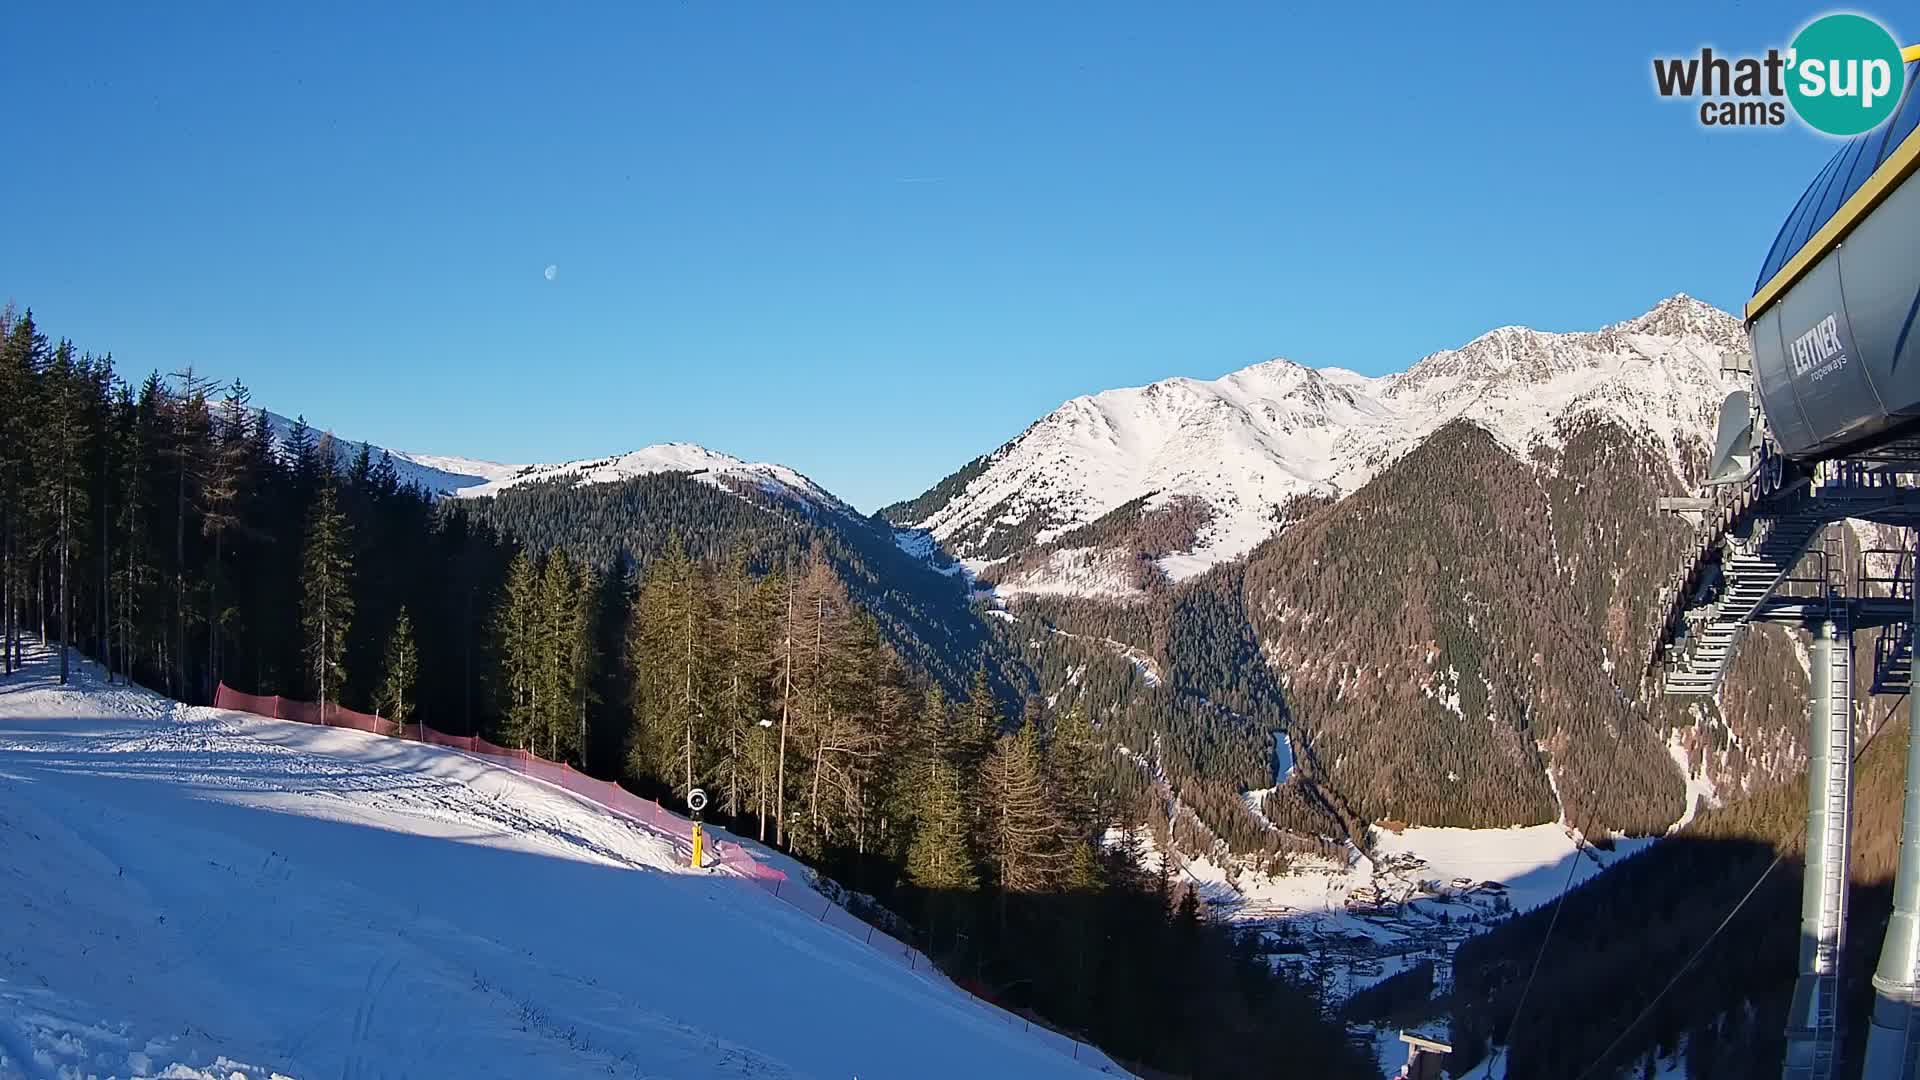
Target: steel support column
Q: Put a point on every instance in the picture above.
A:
(1893, 1043)
(1812, 1031)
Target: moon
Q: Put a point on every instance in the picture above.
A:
(552, 272)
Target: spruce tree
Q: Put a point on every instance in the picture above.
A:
(582, 655)
(62, 475)
(516, 628)
(188, 425)
(1075, 776)
(394, 699)
(1074, 770)
(670, 649)
(555, 673)
(327, 610)
(22, 354)
(978, 723)
(940, 857)
(227, 458)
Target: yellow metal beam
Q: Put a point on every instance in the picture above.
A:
(1912, 54)
(1901, 164)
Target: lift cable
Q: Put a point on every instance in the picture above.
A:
(1697, 953)
(1573, 865)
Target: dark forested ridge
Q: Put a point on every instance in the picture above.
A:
(627, 525)
(663, 633)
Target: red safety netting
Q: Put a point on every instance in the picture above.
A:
(651, 814)
(226, 697)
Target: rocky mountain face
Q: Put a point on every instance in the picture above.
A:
(1232, 457)
(1450, 573)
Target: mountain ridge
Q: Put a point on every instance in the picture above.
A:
(1246, 443)
(455, 476)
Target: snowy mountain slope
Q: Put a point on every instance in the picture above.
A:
(1247, 442)
(200, 888)
(435, 473)
(464, 477)
(711, 466)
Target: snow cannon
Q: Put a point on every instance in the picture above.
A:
(1836, 341)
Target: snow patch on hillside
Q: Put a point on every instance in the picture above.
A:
(1141, 660)
(1700, 786)
(1085, 572)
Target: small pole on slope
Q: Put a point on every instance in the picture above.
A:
(696, 802)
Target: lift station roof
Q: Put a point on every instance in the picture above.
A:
(1867, 166)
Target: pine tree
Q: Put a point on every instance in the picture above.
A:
(978, 723)
(516, 627)
(788, 646)
(671, 651)
(1073, 769)
(1022, 831)
(22, 354)
(940, 858)
(62, 474)
(188, 424)
(562, 644)
(826, 695)
(327, 612)
(741, 691)
(929, 747)
(394, 699)
(582, 633)
(226, 464)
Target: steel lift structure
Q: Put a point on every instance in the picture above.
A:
(1780, 555)
(1825, 428)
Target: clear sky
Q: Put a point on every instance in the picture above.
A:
(870, 241)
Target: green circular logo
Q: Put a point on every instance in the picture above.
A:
(1845, 74)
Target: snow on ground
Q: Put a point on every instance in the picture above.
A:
(1141, 660)
(1531, 865)
(227, 895)
(1091, 573)
(1347, 924)
(1282, 757)
(1700, 787)
(1532, 862)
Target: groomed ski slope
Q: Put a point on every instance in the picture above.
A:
(193, 893)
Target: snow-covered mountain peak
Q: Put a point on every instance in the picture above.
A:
(1682, 316)
(463, 477)
(712, 466)
(1244, 443)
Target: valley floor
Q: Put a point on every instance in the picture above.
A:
(193, 893)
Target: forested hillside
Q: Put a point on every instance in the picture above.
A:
(1621, 937)
(628, 524)
(164, 531)
(1461, 642)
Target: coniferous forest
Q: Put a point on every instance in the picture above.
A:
(157, 526)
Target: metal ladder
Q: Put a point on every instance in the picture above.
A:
(1813, 1019)
(1838, 732)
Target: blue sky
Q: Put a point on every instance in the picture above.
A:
(870, 241)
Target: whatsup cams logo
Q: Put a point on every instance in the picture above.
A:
(1842, 75)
